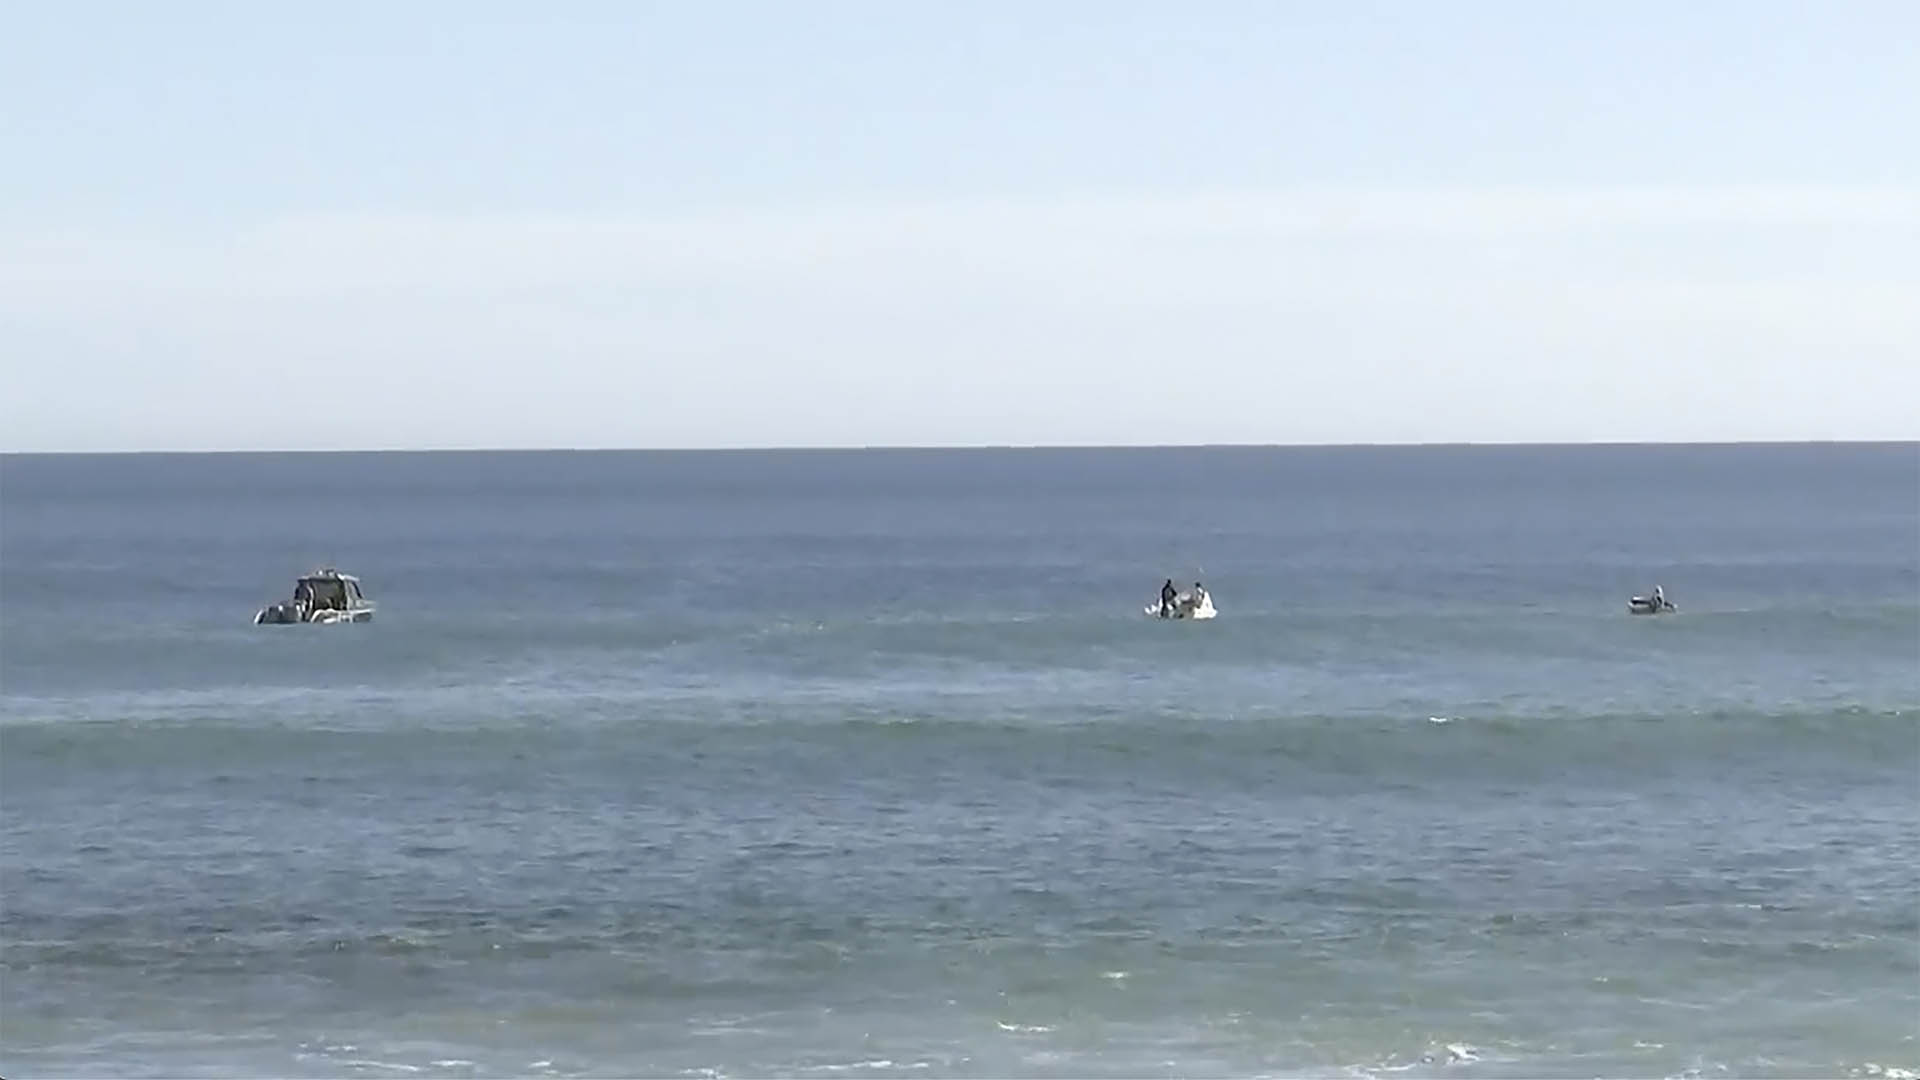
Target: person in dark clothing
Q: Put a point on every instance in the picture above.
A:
(1168, 596)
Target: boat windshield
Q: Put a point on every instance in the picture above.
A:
(327, 593)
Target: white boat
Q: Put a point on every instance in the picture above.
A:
(321, 598)
(1657, 604)
(1185, 606)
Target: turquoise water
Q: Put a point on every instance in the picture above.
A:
(868, 763)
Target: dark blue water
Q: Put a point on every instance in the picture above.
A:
(869, 763)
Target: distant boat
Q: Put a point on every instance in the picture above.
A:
(1657, 604)
(1189, 605)
(321, 598)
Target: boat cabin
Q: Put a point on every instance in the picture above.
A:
(329, 590)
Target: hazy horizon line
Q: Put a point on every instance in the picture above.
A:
(964, 447)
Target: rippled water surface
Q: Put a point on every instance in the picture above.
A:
(869, 764)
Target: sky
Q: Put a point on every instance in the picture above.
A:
(621, 224)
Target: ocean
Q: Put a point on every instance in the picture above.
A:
(869, 763)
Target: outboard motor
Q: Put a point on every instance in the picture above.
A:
(277, 614)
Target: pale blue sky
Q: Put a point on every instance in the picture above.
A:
(616, 224)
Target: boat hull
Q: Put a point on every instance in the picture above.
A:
(1185, 608)
(289, 615)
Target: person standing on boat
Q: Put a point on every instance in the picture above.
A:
(1168, 597)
